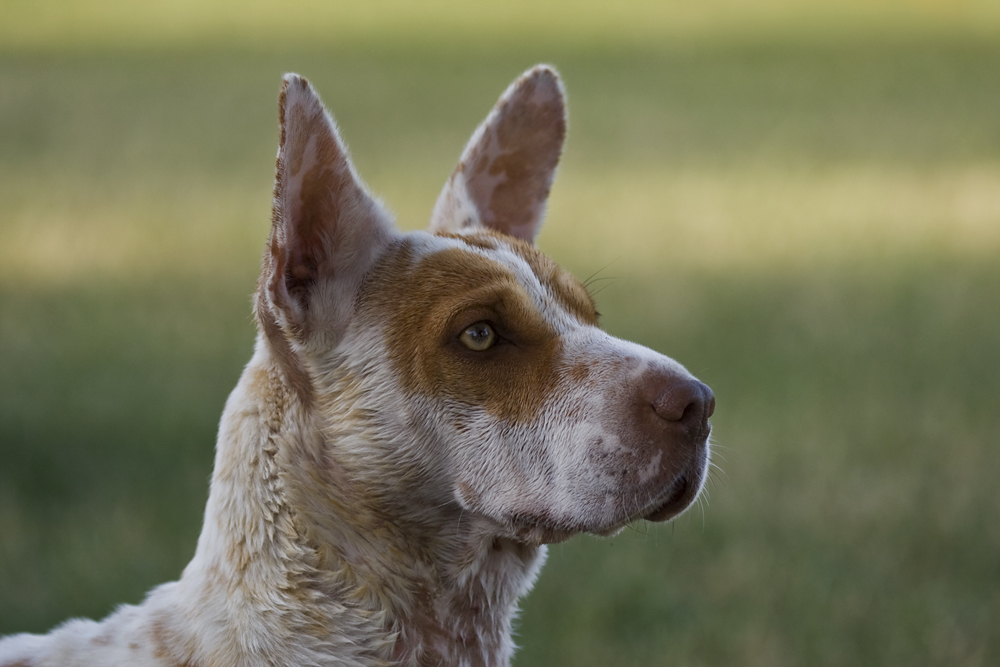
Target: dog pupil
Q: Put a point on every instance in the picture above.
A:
(479, 334)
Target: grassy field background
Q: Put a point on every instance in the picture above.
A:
(800, 204)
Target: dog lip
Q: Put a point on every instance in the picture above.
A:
(675, 503)
(682, 492)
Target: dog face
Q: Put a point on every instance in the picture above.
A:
(472, 361)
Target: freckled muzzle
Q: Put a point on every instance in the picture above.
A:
(674, 412)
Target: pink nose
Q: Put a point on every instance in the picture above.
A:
(686, 402)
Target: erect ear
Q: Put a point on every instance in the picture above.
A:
(326, 228)
(503, 179)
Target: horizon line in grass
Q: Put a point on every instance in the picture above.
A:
(713, 222)
(118, 25)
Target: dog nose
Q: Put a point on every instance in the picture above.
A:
(687, 402)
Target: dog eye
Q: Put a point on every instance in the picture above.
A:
(478, 337)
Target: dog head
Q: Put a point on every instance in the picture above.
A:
(460, 367)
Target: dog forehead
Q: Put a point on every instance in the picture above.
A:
(560, 284)
(435, 268)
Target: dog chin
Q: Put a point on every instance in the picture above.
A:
(536, 528)
(679, 496)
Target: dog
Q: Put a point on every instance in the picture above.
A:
(422, 414)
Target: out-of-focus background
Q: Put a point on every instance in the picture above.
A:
(800, 201)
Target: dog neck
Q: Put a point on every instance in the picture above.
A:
(294, 538)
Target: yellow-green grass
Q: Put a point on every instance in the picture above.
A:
(62, 24)
(811, 226)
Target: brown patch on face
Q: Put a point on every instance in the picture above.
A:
(424, 306)
(484, 239)
(579, 373)
(561, 284)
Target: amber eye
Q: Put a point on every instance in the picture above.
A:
(478, 337)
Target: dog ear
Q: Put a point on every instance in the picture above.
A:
(503, 178)
(326, 228)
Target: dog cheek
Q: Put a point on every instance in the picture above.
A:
(501, 471)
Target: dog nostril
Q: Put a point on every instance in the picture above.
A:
(687, 402)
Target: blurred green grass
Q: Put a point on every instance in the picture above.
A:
(802, 206)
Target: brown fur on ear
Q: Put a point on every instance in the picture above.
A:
(326, 230)
(503, 179)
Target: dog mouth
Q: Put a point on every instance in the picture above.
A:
(679, 496)
(679, 499)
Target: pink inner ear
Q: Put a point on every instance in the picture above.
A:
(317, 181)
(506, 170)
(510, 169)
(325, 227)
(314, 187)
